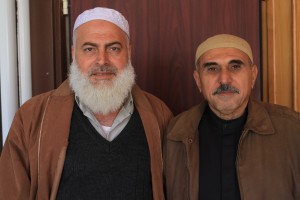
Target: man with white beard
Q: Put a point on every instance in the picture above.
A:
(97, 136)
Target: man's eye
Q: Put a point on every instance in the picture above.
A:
(235, 67)
(89, 49)
(114, 49)
(212, 69)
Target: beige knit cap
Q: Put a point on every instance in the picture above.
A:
(223, 40)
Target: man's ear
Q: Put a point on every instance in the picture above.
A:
(129, 51)
(197, 79)
(73, 52)
(254, 74)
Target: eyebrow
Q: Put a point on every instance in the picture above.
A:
(96, 45)
(208, 64)
(89, 44)
(236, 61)
(113, 43)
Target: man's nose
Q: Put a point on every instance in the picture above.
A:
(102, 57)
(225, 77)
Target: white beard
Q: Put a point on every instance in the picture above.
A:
(105, 96)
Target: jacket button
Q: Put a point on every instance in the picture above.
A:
(190, 141)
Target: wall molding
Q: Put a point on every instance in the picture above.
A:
(281, 45)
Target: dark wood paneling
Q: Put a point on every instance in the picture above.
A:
(41, 45)
(165, 35)
(48, 49)
(61, 59)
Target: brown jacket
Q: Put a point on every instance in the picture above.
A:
(268, 158)
(34, 152)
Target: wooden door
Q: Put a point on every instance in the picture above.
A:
(166, 33)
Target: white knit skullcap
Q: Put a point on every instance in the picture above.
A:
(221, 41)
(101, 13)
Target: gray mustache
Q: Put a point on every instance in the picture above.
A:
(102, 68)
(226, 88)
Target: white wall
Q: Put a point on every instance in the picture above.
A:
(10, 45)
(24, 53)
(8, 64)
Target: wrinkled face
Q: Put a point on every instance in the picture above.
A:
(225, 76)
(101, 50)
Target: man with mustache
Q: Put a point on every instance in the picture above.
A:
(230, 146)
(97, 136)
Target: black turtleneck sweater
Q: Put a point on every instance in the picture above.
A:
(218, 150)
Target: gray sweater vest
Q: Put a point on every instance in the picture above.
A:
(98, 169)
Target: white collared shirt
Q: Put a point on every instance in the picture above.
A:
(122, 119)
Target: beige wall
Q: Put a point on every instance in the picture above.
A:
(281, 52)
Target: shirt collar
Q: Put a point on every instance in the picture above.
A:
(126, 110)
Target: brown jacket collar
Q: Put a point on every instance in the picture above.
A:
(258, 120)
